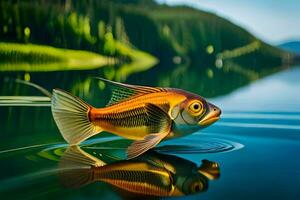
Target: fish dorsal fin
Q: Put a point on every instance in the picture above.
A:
(122, 91)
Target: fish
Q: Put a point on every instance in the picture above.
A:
(151, 174)
(147, 115)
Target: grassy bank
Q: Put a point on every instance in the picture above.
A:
(34, 58)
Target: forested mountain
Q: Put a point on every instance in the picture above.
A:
(192, 47)
(172, 34)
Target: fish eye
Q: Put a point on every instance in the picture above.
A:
(196, 107)
(197, 187)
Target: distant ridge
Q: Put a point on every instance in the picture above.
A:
(293, 46)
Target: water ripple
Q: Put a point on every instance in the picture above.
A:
(205, 145)
(188, 145)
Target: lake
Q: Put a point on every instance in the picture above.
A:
(251, 153)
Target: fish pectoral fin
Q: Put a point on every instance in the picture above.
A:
(159, 125)
(122, 91)
(159, 121)
(141, 146)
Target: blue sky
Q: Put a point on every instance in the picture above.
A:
(273, 21)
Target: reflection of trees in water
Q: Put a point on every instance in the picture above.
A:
(213, 81)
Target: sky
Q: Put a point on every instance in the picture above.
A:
(274, 21)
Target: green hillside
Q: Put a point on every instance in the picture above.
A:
(191, 46)
(161, 30)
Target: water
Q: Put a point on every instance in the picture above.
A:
(255, 145)
(252, 152)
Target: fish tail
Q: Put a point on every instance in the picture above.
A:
(77, 167)
(71, 115)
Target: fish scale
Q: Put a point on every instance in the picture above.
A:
(135, 180)
(147, 115)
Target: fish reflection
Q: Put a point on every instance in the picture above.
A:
(152, 174)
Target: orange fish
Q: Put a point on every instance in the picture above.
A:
(147, 115)
(151, 174)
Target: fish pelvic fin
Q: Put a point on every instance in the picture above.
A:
(76, 167)
(71, 115)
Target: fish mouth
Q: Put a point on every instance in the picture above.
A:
(209, 121)
(212, 116)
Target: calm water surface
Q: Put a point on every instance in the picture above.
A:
(251, 153)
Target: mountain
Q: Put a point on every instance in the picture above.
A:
(194, 35)
(293, 46)
(170, 33)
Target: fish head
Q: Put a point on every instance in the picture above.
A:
(197, 180)
(210, 169)
(195, 111)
